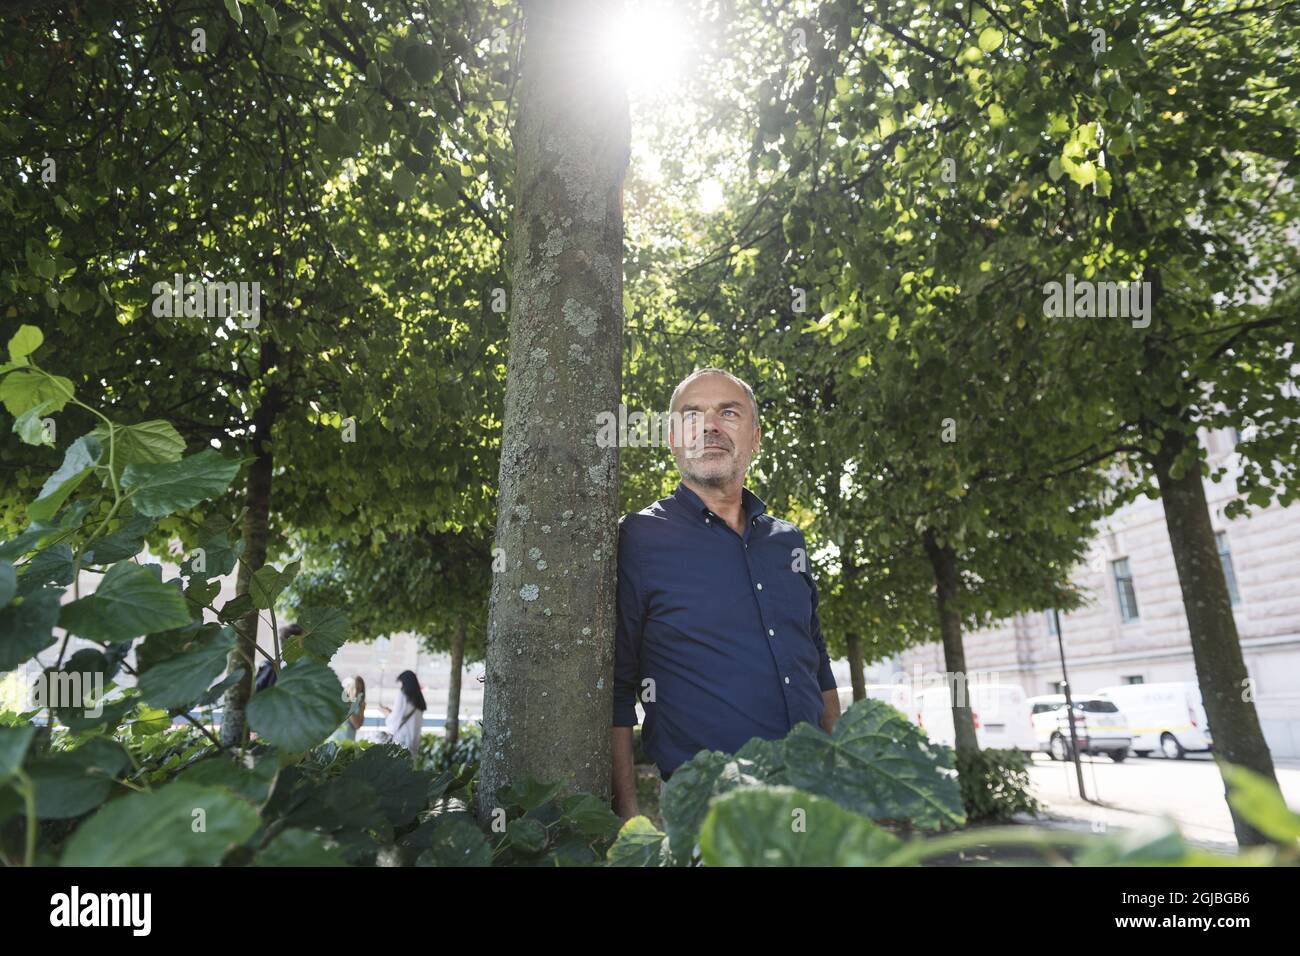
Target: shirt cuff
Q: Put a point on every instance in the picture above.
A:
(825, 678)
(625, 713)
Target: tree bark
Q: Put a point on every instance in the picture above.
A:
(453, 686)
(856, 675)
(943, 559)
(1216, 649)
(548, 703)
(257, 501)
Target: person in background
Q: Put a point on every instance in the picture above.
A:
(356, 718)
(405, 722)
(268, 672)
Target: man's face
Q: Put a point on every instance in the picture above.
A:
(719, 436)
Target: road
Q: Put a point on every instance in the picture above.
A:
(1141, 788)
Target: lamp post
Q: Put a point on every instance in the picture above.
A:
(1069, 706)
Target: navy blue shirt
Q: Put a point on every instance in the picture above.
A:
(717, 633)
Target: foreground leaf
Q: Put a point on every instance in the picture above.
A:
(301, 709)
(179, 825)
(782, 826)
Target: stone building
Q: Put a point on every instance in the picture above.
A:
(1134, 629)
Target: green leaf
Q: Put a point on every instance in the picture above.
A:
(1054, 169)
(990, 39)
(268, 584)
(163, 489)
(325, 630)
(526, 835)
(8, 583)
(783, 826)
(421, 61)
(639, 843)
(131, 600)
(181, 680)
(302, 708)
(30, 425)
(457, 842)
(178, 825)
(149, 443)
(294, 847)
(14, 742)
(24, 342)
(53, 565)
(684, 799)
(528, 794)
(236, 14)
(27, 628)
(1260, 803)
(126, 542)
(80, 459)
(403, 182)
(149, 721)
(219, 555)
(876, 763)
(270, 19)
(997, 116)
(235, 608)
(401, 788)
(591, 817)
(25, 389)
(69, 783)
(1158, 842)
(253, 785)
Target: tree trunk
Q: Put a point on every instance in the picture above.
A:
(453, 687)
(856, 675)
(548, 704)
(944, 562)
(1216, 649)
(257, 501)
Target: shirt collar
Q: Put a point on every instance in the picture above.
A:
(751, 503)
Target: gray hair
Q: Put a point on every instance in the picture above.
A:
(753, 403)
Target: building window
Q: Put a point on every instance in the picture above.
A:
(1128, 602)
(1225, 559)
(1133, 679)
(1051, 624)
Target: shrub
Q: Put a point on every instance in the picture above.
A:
(995, 785)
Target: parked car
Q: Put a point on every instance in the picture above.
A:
(1000, 712)
(1098, 725)
(1169, 717)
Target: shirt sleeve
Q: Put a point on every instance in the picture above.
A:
(629, 620)
(394, 718)
(825, 678)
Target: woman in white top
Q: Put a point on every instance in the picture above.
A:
(405, 722)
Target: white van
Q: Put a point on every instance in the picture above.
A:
(897, 695)
(1000, 711)
(1168, 717)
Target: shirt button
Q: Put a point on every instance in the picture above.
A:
(706, 520)
(787, 680)
(771, 633)
(760, 583)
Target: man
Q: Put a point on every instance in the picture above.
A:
(717, 632)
